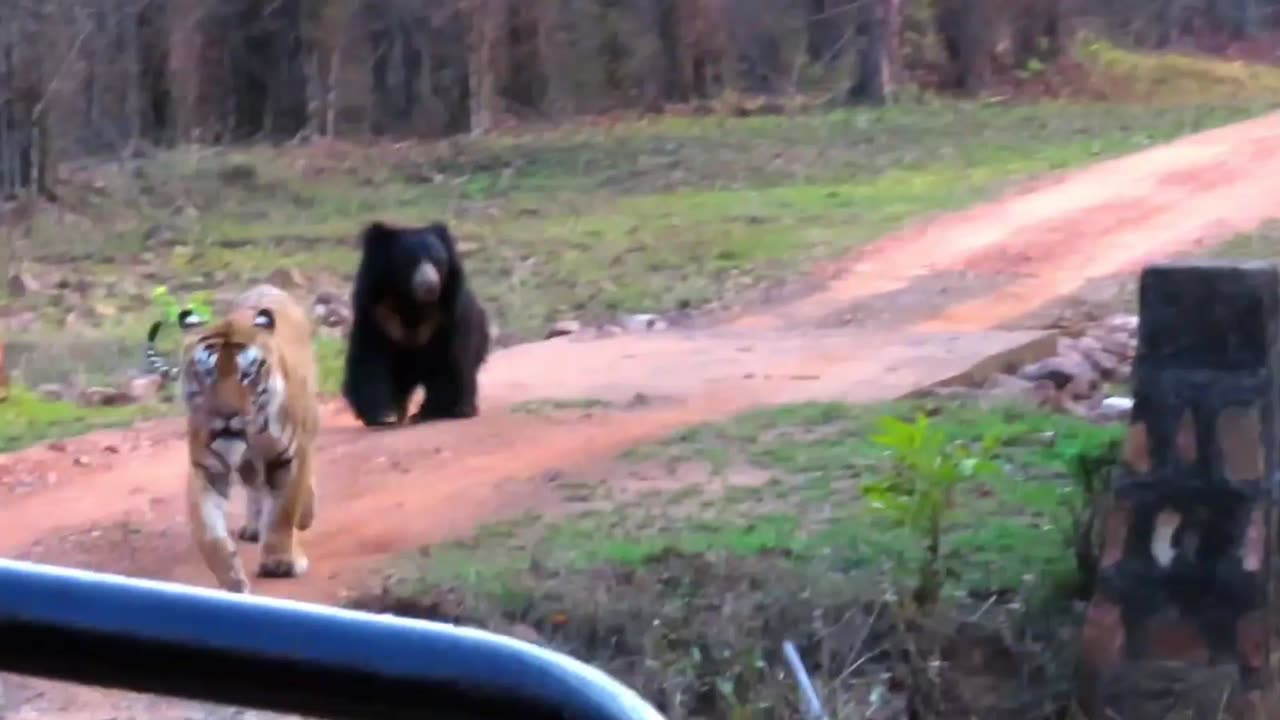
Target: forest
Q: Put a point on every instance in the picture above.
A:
(84, 78)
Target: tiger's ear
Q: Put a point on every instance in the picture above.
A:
(188, 318)
(265, 319)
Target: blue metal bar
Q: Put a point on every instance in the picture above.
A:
(271, 654)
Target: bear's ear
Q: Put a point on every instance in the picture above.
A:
(265, 319)
(375, 232)
(441, 231)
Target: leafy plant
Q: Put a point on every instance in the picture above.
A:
(1089, 458)
(917, 491)
(170, 306)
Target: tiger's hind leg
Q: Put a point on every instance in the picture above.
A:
(289, 503)
(207, 495)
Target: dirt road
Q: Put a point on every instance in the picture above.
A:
(885, 323)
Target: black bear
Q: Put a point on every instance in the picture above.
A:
(414, 322)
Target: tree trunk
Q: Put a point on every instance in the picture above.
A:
(1038, 31)
(1239, 17)
(24, 147)
(968, 33)
(133, 75)
(880, 22)
(488, 29)
(823, 31)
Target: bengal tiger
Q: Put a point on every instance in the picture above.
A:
(249, 385)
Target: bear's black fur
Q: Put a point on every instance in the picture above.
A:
(402, 336)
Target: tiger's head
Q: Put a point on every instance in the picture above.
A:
(229, 382)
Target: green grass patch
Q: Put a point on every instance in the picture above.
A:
(26, 418)
(1007, 532)
(1170, 77)
(1261, 244)
(690, 589)
(553, 405)
(579, 221)
(584, 221)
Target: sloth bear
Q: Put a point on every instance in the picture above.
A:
(414, 322)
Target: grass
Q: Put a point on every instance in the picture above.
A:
(1176, 77)
(26, 418)
(584, 220)
(695, 586)
(1261, 244)
(1119, 294)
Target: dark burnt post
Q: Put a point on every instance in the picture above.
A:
(1180, 624)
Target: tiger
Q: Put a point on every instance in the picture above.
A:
(249, 385)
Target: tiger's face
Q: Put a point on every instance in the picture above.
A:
(228, 381)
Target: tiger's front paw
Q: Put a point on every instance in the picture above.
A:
(283, 566)
(236, 583)
(249, 534)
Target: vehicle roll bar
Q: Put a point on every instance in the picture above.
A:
(286, 656)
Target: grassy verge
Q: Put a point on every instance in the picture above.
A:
(1261, 244)
(639, 217)
(1119, 294)
(1174, 77)
(760, 529)
(26, 418)
(585, 220)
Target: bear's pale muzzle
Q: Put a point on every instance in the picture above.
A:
(426, 283)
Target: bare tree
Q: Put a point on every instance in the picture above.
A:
(1038, 30)
(488, 25)
(881, 24)
(968, 32)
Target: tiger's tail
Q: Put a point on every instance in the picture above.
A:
(155, 362)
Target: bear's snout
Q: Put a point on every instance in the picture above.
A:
(426, 283)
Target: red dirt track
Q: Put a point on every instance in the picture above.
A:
(113, 500)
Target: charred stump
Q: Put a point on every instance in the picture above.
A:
(1181, 620)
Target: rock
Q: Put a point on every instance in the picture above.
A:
(640, 322)
(1123, 323)
(159, 235)
(1119, 344)
(329, 297)
(520, 631)
(22, 321)
(52, 392)
(1105, 363)
(21, 284)
(1002, 386)
(143, 388)
(941, 391)
(328, 312)
(104, 397)
(1072, 374)
(288, 279)
(1114, 409)
(80, 461)
(563, 327)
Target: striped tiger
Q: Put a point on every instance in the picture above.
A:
(249, 386)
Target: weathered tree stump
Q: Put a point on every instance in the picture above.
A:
(1180, 623)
